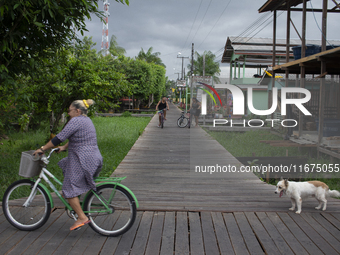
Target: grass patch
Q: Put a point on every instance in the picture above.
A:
(247, 143)
(115, 136)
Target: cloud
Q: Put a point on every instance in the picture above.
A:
(168, 26)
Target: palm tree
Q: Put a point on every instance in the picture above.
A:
(114, 49)
(150, 57)
(212, 67)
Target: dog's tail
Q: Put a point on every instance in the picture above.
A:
(333, 193)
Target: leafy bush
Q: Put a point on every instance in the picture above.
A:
(126, 114)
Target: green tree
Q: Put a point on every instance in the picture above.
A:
(29, 32)
(212, 67)
(150, 57)
(71, 74)
(114, 48)
(28, 28)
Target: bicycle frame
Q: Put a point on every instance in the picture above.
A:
(162, 116)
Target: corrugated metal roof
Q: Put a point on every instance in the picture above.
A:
(260, 50)
(272, 5)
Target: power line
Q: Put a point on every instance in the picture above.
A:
(253, 24)
(202, 20)
(215, 23)
(261, 28)
(199, 7)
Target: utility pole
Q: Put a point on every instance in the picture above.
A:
(202, 86)
(192, 77)
(203, 64)
(182, 63)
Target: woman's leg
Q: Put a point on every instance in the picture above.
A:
(75, 204)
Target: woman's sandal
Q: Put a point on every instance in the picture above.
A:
(79, 225)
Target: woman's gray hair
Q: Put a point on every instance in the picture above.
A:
(82, 105)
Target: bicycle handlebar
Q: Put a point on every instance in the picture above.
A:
(53, 150)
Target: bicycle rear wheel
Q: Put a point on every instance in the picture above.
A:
(182, 122)
(122, 206)
(28, 217)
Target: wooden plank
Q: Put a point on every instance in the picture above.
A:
(70, 241)
(111, 243)
(83, 243)
(331, 219)
(299, 234)
(127, 239)
(6, 231)
(209, 238)
(321, 230)
(155, 237)
(32, 236)
(97, 241)
(85, 236)
(139, 245)
(12, 241)
(235, 234)
(266, 241)
(63, 222)
(336, 215)
(286, 234)
(327, 225)
(312, 234)
(168, 236)
(274, 234)
(196, 235)
(248, 235)
(182, 235)
(222, 235)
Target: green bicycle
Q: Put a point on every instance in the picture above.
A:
(111, 209)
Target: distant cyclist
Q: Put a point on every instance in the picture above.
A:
(162, 105)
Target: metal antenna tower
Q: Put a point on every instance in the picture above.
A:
(105, 34)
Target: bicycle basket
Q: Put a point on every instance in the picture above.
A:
(30, 165)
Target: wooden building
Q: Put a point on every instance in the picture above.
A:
(320, 65)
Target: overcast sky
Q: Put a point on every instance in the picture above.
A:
(171, 26)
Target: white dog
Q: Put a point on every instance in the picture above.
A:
(301, 190)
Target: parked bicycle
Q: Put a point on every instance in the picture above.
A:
(183, 121)
(111, 209)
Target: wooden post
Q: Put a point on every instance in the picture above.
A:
(322, 80)
(270, 102)
(231, 73)
(287, 42)
(303, 54)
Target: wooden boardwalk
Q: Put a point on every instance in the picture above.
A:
(186, 212)
(185, 233)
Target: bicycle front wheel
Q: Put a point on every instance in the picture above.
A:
(182, 122)
(30, 216)
(118, 218)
